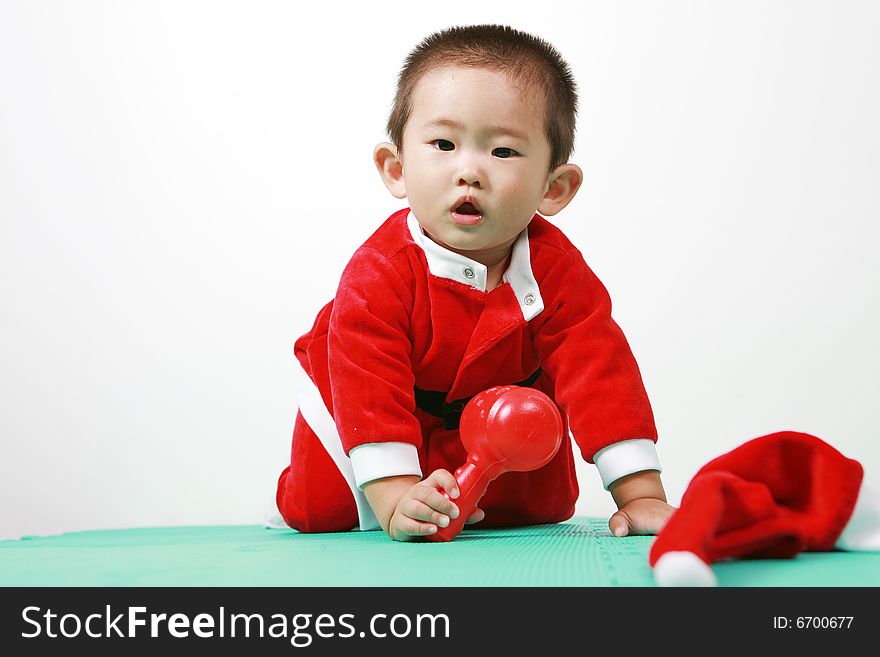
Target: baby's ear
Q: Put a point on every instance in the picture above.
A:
(390, 166)
(562, 184)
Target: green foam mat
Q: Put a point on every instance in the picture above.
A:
(580, 552)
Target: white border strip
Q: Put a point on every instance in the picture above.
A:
(521, 278)
(316, 415)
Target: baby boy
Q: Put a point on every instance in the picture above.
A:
(468, 288)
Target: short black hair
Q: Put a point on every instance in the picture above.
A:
(502, 48)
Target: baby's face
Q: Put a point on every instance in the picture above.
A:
(475, 158)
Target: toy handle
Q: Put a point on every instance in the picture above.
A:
(473, 482)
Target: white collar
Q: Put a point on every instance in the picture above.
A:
(449, 264)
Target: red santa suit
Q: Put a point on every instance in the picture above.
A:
(413, 333)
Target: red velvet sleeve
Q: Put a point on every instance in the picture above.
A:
(596, 379)
(370, 351)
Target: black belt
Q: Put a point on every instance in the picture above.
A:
(433, 403)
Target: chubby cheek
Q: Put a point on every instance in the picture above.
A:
(521, 195)
(423, 192)
(419, 191)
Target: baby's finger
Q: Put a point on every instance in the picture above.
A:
(433, 498)
(444, 479)
(476, 516)
(619, 524)
(420, 511)
(403, 526)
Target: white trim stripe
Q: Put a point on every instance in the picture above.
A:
(522, 280)
(625, 458)
(316, 415)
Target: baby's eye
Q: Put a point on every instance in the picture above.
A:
(504, 152)
(444, 144)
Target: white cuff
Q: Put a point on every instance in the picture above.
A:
(625, 458)
(377, 460)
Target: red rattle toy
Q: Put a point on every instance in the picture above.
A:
(503, 429)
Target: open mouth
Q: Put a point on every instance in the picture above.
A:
(467, 213)
(467, 208)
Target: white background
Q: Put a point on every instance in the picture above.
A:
(181, 184)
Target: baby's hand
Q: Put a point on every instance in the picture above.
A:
(644, 515)
(423, 508)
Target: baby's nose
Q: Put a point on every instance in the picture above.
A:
(469, 180)
(470, 177)
(469, 170)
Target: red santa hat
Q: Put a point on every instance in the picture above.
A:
(772, 497)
